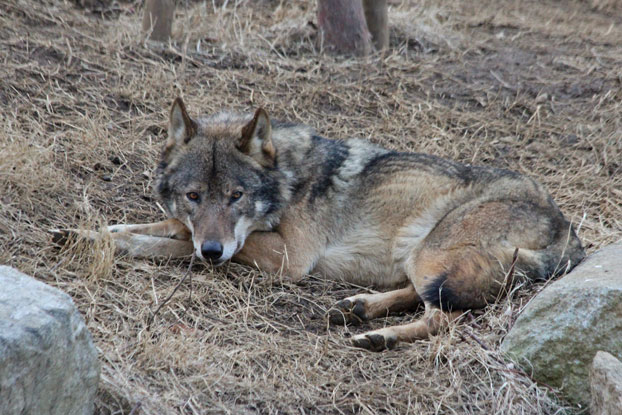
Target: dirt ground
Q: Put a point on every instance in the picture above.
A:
(532, 86)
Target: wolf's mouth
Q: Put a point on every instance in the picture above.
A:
(218, 262)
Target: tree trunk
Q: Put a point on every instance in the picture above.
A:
(342, 25)
(158, 19)
(377, 22)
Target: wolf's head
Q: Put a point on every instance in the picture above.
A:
(218, 175)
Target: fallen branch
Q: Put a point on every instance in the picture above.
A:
(167, 299)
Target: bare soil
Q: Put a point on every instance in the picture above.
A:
(532, 86)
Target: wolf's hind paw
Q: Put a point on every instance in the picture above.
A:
(374, 342)
(348, 312)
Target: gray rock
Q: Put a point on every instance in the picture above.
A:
(606, 385)
(561, 329)
(48, 364)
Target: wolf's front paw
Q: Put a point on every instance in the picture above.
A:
(374, 341)
(348, 311)
(61, 236)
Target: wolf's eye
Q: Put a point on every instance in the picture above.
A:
(193, 196)
(236, 195)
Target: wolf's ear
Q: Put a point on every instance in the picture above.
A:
(256, 139)
(181, 128)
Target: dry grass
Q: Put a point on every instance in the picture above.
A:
(533, 86)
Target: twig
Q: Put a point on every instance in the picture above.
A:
(190, 281)
(481, 343)
(166, 300)
(501, 81)
(136, 409)
(510, 273)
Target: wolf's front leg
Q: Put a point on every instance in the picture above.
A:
(147, 246)
(270, 252)
(169, 238)
(170, 228)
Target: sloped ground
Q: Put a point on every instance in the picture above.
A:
(532, 86)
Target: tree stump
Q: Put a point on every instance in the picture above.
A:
(377, 22)
(158, 19)
(343, 27)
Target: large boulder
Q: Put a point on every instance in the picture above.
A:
(606, 385)
(561, 329)
(48, 364)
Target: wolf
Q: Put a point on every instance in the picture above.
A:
(424, 229)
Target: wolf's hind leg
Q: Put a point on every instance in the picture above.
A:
(363, 307)
(449, 281)
(386, 338)
(463, 263)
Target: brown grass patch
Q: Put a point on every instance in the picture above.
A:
(531, 86)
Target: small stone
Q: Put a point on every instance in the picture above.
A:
(542, 98)
(606, 385)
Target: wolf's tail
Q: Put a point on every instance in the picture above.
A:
(556, 259)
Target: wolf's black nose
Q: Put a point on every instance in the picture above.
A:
(211, 250)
